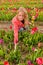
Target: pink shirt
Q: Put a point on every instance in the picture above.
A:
(17, 25)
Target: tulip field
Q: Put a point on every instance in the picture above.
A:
(29, 49)
(8, 8)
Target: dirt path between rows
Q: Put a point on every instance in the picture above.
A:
(7, 25)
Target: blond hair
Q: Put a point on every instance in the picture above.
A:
(22, 9)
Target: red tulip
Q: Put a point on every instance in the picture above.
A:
(10, 26)
(34, 30)
(14, 9)
(39, 61)
(6, 63)
(36, 9)
(36, 15)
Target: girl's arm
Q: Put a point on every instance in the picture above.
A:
(15, 28)
(27, 23)
(15, 33)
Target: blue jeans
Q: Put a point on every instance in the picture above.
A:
(21, 29)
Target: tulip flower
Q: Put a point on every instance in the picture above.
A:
(36, 15)
(36, 9)
(1, 41)
(39, 61)
(6, 63)
(33, 48)
(34, 30)
(10, 27)
(29, 62)
(14, 10)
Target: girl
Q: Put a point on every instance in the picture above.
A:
(20, 22)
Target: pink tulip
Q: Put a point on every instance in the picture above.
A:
(32, 32)
(39, 61)
(30, 63)
(1, 41)
(33, 48)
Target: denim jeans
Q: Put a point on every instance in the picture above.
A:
(21, 29)
(26, 28)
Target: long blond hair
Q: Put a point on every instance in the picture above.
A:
(22, 9)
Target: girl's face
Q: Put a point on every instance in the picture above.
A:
(21, 16)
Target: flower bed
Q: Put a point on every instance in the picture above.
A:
(30, 47)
